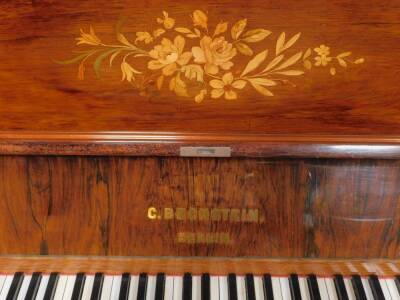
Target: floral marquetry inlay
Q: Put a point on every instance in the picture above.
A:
(202, 62)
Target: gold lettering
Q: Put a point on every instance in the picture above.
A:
(203, 238)
(180, 213)
(225, 214)
(204, 214)
(192, 214)
(215, 214)
(152, 213)
(234, 215)
(168, 213)
(249, 215)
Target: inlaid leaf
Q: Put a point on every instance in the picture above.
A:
(244, 49)
(262, 81)
(280, 43)
(220, 28)
(290, 62)
(113, 56)
(160, 81)
(273, 63)
(307, 53)
(332, 71)
(307, 64)
(290, 72)
(359, 61)
(158, 32)
(72, 60)
(200, 19)
(99, 60)
(238, 28)
(183, 30)
(344, 54)
(342, 62)
(293, 40)
(122, 39)
(255, 35)
(255, 62)
(262, 90)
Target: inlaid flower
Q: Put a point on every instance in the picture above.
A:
(226, 87)
(322, 50)
(214, 53)
(88, 38)
(166, 21)
(323, 59)
(169, 55)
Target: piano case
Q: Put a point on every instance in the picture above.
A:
(202, 136)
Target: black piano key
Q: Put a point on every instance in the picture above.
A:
(125, 284)
(376, 287)
(397, 282)
(33, 286)
(232, 288)
(313, 287)
(187, 287)
(142, 287)
(78, 286)
(205, 286)
(15, 286)
(250, 291)
(160, 286)
(97, 286)
(51, 286)
(358, 287)
(268, 292)
(294, 287)
(340, 288)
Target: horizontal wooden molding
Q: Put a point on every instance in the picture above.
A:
(169, 143)
(180, 265)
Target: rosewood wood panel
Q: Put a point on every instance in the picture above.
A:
(37, 94)
(311, 208)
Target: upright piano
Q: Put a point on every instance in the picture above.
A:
(199, 150)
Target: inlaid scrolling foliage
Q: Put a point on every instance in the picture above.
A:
(211, 65)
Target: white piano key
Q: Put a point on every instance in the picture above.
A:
(87, 288)
(223, 287)
(60, 288)
(259, 287)
(24, 287)
(285, 288)
(349, 289)
(2, 279)
(330, 287)
(116, 287)
(276, 288)
(385, 289)
(107, 285)
(42, 287)
(214, 288)
(69, 287)
(394, 292)
(133, 287)
(241, 288)
(322, 288)
(367, 289)
(6, 286)
(305, 294)
(169, 288)
(151, 287)
(196, 287)
(178, 287)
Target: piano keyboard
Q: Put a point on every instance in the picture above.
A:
(57, 286)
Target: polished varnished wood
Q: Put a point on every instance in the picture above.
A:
(39, 95)
(99, 206)
(180, 265)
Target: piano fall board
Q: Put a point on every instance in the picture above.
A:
(242, 136)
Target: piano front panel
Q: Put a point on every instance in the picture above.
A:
(153, 206)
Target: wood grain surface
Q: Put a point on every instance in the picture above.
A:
(196, 266)
(37, 94)
(324, 209)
